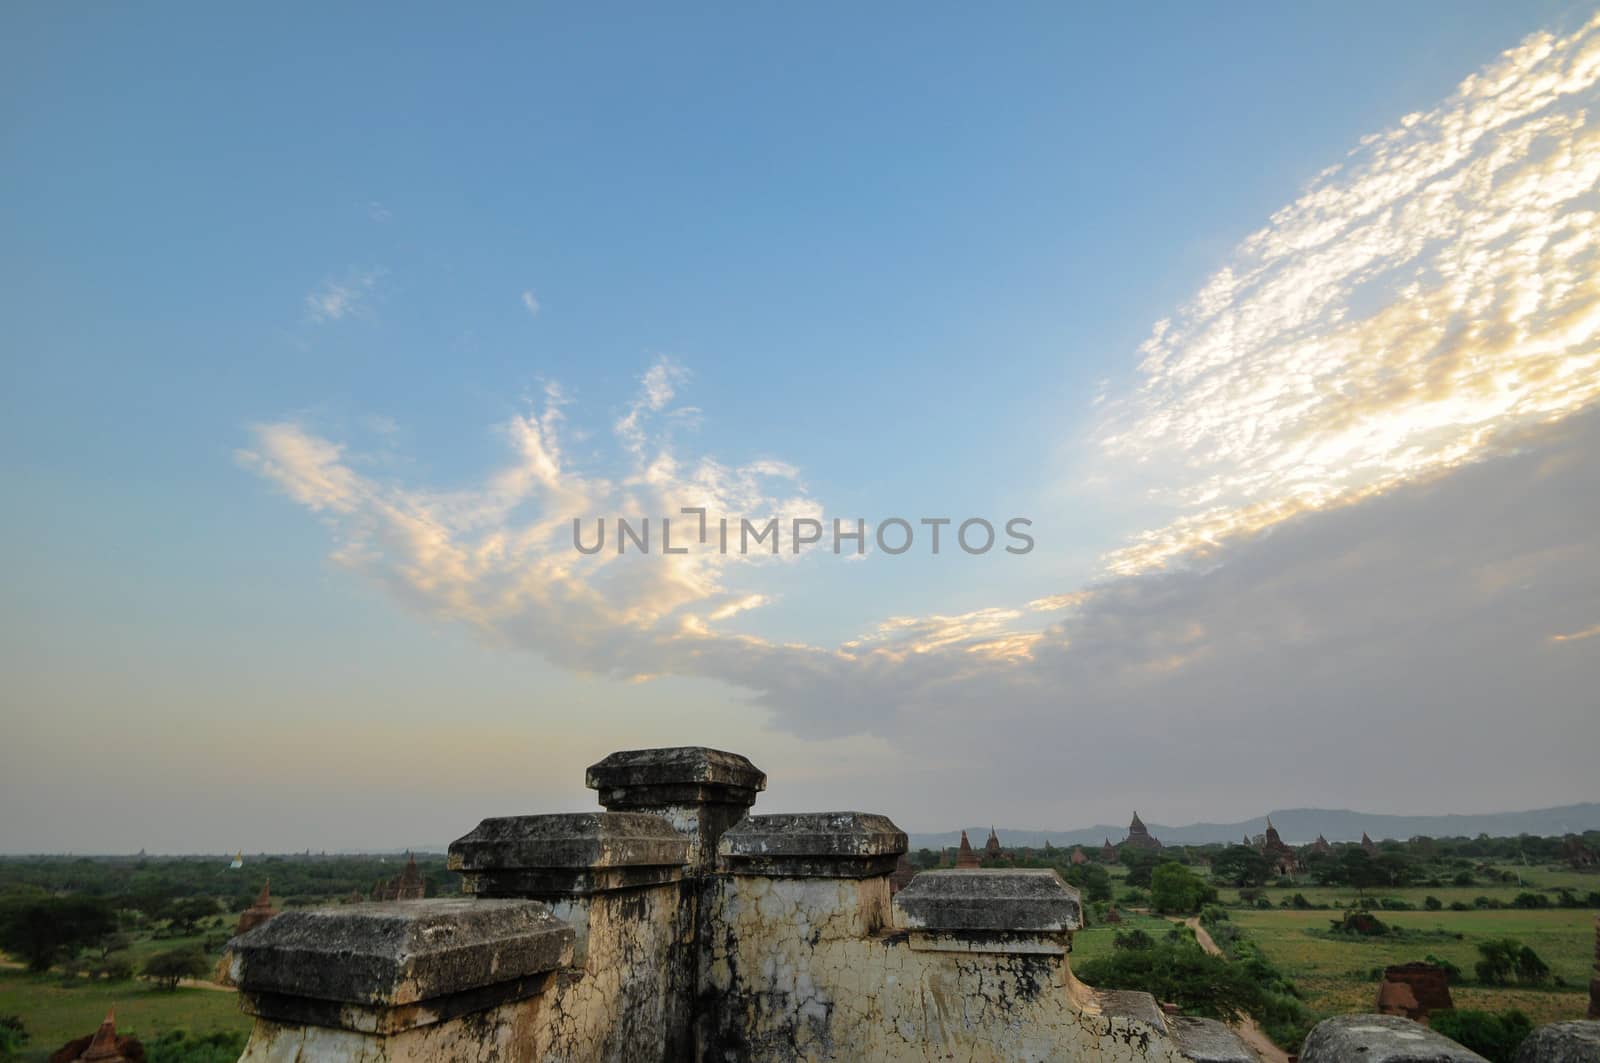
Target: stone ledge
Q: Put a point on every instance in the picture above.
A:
(1019, 900)
(813, 845)
(568, 854)
(649, 778)
(1380, 1039)
(1576, 1041)
(397, 954)
(1208, 1041)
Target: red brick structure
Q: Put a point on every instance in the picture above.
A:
(1414, 990)
(1078, 857)
(408, 885)
(1108, 852)
(103, 1046)
(258, 912)
(991, 848)
(965, 857)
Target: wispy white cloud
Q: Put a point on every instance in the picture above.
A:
(1439, 286)
(337, 299)
(530, 303)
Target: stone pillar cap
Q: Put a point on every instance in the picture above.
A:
(813, 845)
(677, 774)
(568, 854)
(399, 952)
(1019, 900)
(569, 839)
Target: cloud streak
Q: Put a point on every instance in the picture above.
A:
(1439, 286)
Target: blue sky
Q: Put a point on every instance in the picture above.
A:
(903, 253)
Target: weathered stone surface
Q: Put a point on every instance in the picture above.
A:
(1208, 1041)
(644, 778)
(701, 792)
(566, 854)
(1562, 1042)
(813, 845)
(573, 839)
(1130, 1004)
(1036, 901)
(395, 954)
(1380, 1039)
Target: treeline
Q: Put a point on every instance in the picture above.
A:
(153, 884)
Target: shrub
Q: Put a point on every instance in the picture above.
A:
(1174, 888)
(1432, 903)
(13, 1035)
(167, 969)
(180, 1046)
(1133, 939)
(1363, 923)
(1530, 900)
(1508, 958)
(1495, 1037)
(1199, 983)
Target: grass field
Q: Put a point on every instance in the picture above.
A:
(1334, 972)
(56, 1013)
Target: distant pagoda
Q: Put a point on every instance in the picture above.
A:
(257, 913)
(1139, 836)
(1282, 858)
(965, 857)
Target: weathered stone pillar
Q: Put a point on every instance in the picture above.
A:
(701, 791)
(793, 895)
(1381, 1039)
(617, 878)
(420, 980)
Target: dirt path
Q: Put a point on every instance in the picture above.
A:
(1246, 1027)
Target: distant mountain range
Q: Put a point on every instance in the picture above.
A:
(1300, 826)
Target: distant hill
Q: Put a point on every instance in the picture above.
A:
(1302, 825)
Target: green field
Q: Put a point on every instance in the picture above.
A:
(1334, 971)
(56, 1012)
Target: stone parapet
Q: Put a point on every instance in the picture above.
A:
(387, 967)
(1021, 900)
(1380, 1039)
(812, 845)
(568, 854)
(1562, 1042)
(701, 791)
(1208, 1041)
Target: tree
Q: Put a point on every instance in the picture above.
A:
(1092, 879)
(1140, 864)
(1240, 866)
(1174, 888)
(13, 1036)
(43, 930)
(1495, 1037)
(167, 969)
(187, 913)
(1180, 972)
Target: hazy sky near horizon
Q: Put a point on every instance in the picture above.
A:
(1281, 327)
